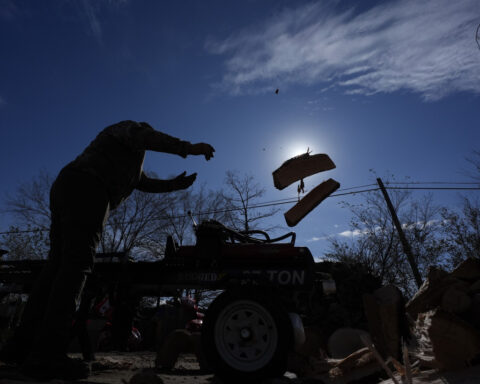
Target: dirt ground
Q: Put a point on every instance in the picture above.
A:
(138, 368)
(120, 367)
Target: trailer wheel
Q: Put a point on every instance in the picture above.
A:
(246, 335)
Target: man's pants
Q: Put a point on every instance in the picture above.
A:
(79, 207)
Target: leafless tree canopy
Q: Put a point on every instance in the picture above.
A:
(438, 236)
(462, 231)
(28, 238)
(141, 224)
(375, 242)
(131, 226)
(242, 192)
(31, 203)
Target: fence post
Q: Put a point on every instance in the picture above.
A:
(401, 234)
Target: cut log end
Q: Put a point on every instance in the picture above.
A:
(310, 201)
(300, 167)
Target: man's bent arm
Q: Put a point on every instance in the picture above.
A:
(161, 142)
(147, 184)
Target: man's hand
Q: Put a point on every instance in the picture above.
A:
(182, 181)
(202, 149)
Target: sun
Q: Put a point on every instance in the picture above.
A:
(296, 149)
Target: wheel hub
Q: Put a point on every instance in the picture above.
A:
(245, 334)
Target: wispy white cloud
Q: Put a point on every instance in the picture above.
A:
(362, 232)
(315, 238)
(420, 224)
(91, 10)
(427, 47)
(9, 10)
(354, 233)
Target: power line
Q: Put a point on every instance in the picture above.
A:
(24, 231)
(438, 188)
(432, 182)
(295, 199)
(477, 36)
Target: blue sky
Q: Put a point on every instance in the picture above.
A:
(386, 85)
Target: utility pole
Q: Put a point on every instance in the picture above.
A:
(401, 234)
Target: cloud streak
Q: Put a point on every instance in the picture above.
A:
(91, 10)
(91, 13)
(355, 233)
(9, 10)
(427, 47)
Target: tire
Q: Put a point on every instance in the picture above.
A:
(246, 336)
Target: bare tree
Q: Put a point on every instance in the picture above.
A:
(474, 161)
(242, 193)
(31, 203)
(28, 238)
(142, 222)
(26, 243)
(375, 242)
(462, 231)
(129, 227)
(203, 204)
(461, 228)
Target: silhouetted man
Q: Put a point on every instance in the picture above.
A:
(97, 181)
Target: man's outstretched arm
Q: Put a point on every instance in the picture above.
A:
(161, 142)
(148, 184)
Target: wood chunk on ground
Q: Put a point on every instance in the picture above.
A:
(429, 296)
(177, 342)
(310, 201)
(385, 310)
(467, 376)
(468, 270)
(453, 342)
(456, 300)
(145, 377)
(475, 287)
(299, 167)
(345, 341)
(356, 366)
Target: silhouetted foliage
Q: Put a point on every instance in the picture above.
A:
(141, 224)
(242, 192)
(375, 242)
(28, 238)
(20, 244)
(462, 231)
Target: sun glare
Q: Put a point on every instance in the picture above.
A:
(297, 141)
(297, 149)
